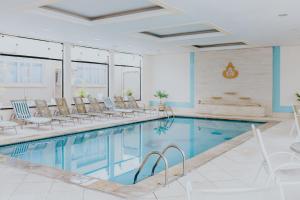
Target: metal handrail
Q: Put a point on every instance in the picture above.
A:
(171, 110)
(164, 151)
(146, 159)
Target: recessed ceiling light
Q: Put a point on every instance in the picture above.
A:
(282, 15)
(80, 41)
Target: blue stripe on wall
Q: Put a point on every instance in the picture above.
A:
(192, 84)
(276, 106)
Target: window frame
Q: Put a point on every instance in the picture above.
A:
(41, 58)
(140, 67)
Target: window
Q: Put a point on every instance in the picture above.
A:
(29, 78)
(89, 72)
(89, 79)
(89, 75)
(127, 80)
(30, 69)
(20, 71)
(127, 75)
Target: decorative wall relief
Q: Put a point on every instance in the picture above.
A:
(230, 72)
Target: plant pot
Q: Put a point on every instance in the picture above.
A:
(161, 107)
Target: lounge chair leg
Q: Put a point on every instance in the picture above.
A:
(258, 172)
(16, 130)
(61, 123)
(293, 129)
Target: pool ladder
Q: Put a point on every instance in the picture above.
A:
(161, 156)
(167, 110)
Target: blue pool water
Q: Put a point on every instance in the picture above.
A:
(114, 154)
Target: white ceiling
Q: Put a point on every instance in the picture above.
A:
(253, 21)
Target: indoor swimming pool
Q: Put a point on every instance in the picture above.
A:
(114, 154)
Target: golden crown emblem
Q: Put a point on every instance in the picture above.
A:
(230, 72)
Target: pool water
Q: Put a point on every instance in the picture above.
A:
(115, 153)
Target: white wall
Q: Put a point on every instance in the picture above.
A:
(254, 80)
(289, 74)
(29, 47)
(169, 72)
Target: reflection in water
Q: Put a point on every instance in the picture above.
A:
(163, 126)
(116, 153)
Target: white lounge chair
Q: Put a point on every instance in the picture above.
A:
(288, 169)
(22, 113)
(110, 105)
(96, 108)
(81, 108)
(63, 110)
(4, 124)
(44, 111)
(265, 193)
(296, 125)
(132, 104)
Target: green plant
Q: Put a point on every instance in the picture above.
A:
(161, 95)
(298, 96)
(82, 93)
(129, 93)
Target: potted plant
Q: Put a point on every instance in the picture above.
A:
(298, 96)
(161, 95)
(82, 93)
(129, 93)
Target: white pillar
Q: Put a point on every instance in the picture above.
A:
(111, 73)
(67, 72)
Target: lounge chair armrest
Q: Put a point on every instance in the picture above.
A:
(285, 153)
(286, 166)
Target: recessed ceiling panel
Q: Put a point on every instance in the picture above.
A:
(101, 9)
(183, 30)
(221, 45)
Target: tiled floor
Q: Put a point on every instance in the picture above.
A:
(19, 185)
(235, 168)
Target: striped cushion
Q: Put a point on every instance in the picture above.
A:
(21, 109)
